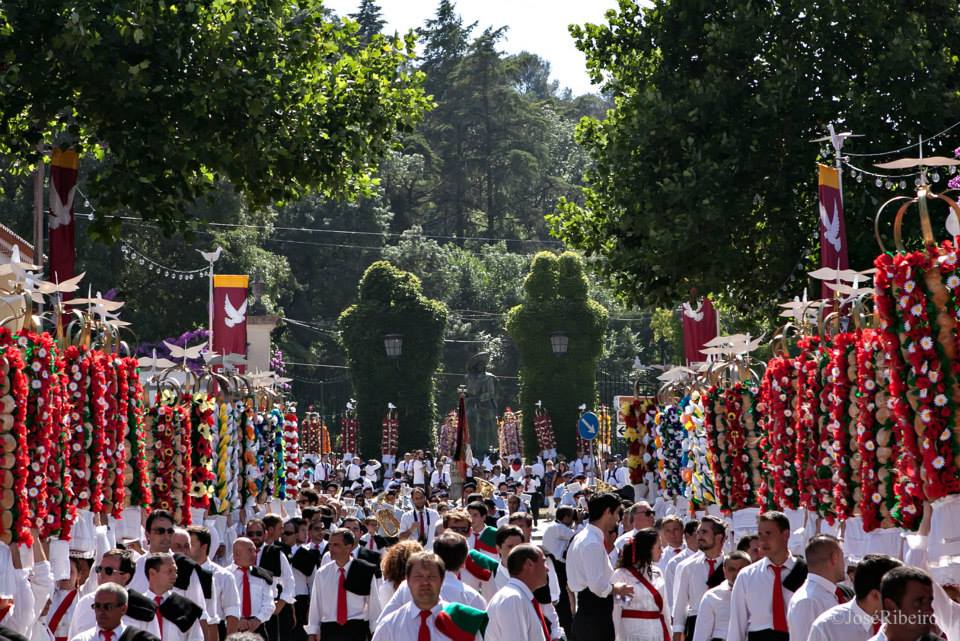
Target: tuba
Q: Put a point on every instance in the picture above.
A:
(485, 487)
(388, 521)
(603, 487)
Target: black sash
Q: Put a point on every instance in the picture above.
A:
(270, 559)
(716, 577)
(180, 611)
(768, 635)
(135, 634)
(372, 557)
(359, 577)
(305, 561)
(139, 607)
(542, 594)
(185, 568)
(797, 575)
(260, 573)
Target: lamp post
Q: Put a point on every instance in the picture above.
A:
(559, 341)
(393, 344)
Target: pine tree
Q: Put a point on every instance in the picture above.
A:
(370, 20)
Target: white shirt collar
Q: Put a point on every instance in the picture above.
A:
(816, 579)
(522, 587)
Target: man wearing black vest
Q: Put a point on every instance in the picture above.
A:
(271, 557)
(110, 607)
(344, 601)
(178, 617)
(758, 603)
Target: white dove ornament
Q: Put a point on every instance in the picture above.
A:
(831, 226)
(235, 316)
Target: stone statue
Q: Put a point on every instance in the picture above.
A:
(481, 404)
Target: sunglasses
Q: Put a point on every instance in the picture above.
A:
(254, 532)
(289, 533)
(162, 530)
(645, 512)
(108, 571)
(106, 607)
(459, 530)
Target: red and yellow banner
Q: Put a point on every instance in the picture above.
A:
(230, 314)
(833, 229)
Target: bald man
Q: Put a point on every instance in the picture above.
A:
(254, 585)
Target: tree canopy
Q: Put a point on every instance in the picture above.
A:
(274, 96)
(702, 173)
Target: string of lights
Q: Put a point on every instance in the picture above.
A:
(132, 254)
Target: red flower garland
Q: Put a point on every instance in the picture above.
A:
(61, 500)
(543, 429)
(843, 422)
(203, 422)
(348, 433)
(138, 493)
(96, 406)
(734, 440)
(778, 402)
(39, 357)
(930, 373)
(390, 434)
(291, 453)
(813, 460)
(14, 452)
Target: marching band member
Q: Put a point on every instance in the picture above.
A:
(116, 566)
(255, 588)
(344, 600)
(482, 536)
(178, 617)
(419, 523)
(225, 597)
(110, 607)
(826, 567)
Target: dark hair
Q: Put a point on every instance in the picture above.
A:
(155, 516)
(127, 565)
(254, 521)
(773, 516)
(564, 511)
(638, 551)
(452, 548)
(739, 555)
(716, 524)
(671, 518)
(155, 561)
(479, 507)
(425, 557)
(599, 504)
(345, 533)
(308, 512)
(504, 532)
(202, 533)
(520, 555)
(743, 545)
(820, 548)
(351, 519)
(311, 496)
(870, 572)
(894, 583)
(271, 521)
(521, 516)
(474, 497)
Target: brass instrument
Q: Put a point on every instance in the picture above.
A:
(485, 487)
(603, 487)
(388, 521)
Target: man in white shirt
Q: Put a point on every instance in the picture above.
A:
(440, 478)
(178, 617)
(352, 470)
(109, 606)
(420, 523)
(452, 549)
(116, 566)
(254, 585)
(514, 612)
(691, 546)
(713, 615)
(640, 516)
(370, 471)
(225, 598)
(826, 566)
(671, 539)
(590, 574)
(427, 616)
(859, 618)
(344, 600)
(695, 574)
(909, 600)
(557, 535)
(615, 475)
(323, 471)
(758, 604)
(418, 470)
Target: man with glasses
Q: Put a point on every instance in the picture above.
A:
(116, 567)
(110, 606)
(159, 529)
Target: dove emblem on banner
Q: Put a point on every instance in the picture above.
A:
(831, 227)
(60, 211)
(235, 316)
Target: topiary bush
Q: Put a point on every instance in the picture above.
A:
(555, 300)
(391, 302)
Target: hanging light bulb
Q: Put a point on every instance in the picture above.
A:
(916, 181)
(879, 183)
(859, 178)
(935, 177)
(953, 169)
(903, 184)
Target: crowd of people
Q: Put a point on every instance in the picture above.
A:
(414, 552)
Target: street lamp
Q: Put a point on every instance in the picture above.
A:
(393, 343)
(559, 341)
(257, 287)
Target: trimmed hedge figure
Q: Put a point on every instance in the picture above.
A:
(556, 301)
(391, 302)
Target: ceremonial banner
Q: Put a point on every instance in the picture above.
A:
(230, 314)
(833, 229)
(63, 187)
(461, 449)
(699, 327)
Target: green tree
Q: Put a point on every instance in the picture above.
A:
(273, 96)
(368, 17)
(390, 301)
(702, 174)
(555, 300)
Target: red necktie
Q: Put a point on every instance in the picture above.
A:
(841, 595)
(424, 633)
(246, 610)
(370, 542)
(158, 600)
(543, 622)
(779, 608)
(676, 550)
(341, 601)
(107, 635)
(423, 535)
(713, 566)
(876, 626)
